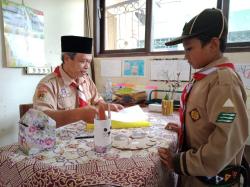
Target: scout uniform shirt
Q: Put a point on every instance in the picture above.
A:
(56, 93)
(216, 125)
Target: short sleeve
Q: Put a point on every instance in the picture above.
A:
(44, 98)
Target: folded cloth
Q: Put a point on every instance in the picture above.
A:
(37, 132)
(124, 125)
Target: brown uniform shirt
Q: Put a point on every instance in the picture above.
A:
(214, 139)
(55, 93)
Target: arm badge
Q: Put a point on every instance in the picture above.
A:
(195, 115)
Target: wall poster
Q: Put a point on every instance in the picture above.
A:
(133, 68)
(244, 71)
(23, 35)
(167, 69)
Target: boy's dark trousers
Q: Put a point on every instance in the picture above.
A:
(243, 170)
(235, 172)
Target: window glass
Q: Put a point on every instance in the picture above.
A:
(123, 28)
(169, 17)
(239, 21)
(125, 24)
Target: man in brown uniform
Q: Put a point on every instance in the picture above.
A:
(68, 94)
(213, 115)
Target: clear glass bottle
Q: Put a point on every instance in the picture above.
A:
(108, 91)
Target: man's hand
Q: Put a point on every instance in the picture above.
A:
(116, 107)
(64, 117)
(166, 157)
(88, 113)
(113, 107)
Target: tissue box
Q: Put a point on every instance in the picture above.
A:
(37, 132)
(154, 107)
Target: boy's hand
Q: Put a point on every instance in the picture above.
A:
(173, 127)
(166, 157)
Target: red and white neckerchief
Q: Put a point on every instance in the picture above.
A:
(186, 91)
(80, 95)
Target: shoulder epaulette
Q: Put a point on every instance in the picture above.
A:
(225, 76)
(49, 77)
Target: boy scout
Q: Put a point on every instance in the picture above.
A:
(67, 94)
(213, 113)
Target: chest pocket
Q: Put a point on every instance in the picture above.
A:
(66, 99)
(66, 103)
(196, 105)
(198, 95)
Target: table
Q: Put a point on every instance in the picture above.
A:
(75, 163)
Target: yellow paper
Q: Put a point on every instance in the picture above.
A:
(124, 125)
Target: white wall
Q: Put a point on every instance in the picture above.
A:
(61, 17)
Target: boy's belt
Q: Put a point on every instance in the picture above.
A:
(227, 177)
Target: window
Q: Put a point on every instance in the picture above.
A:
(169, 17)
(141, 27)
(239, 21)
(125, 24)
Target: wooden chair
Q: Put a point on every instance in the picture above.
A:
(24, 108)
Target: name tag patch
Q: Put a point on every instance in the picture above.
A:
(64, 92)
(226, 117)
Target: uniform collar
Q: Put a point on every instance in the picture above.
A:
(221, 60)
(66, 79)
(82, 80)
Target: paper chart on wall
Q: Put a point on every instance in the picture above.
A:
(23, 35)
(244, 71)
(133, 68)
(111, 68)
(167, 69)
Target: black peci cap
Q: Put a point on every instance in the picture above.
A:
(210, 22)
(76, 44)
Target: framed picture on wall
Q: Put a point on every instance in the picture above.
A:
(23, 35)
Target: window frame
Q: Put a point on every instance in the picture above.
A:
(99, 39)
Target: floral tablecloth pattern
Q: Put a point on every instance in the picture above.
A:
(73, 162)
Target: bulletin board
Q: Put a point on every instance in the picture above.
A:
(167, 69)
